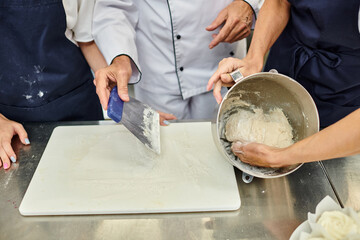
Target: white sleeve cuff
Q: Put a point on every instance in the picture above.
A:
(136, 73)
(79, 14)
(255, 5)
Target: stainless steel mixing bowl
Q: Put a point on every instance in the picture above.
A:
(266, 90)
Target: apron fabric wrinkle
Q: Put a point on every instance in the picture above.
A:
(302, 54)
(44, 76)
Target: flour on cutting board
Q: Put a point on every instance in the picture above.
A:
(106, 169)
(143, 169)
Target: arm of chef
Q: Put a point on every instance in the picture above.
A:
(236, 21)
(114, 23)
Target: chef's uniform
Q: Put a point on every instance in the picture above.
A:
(168, 45)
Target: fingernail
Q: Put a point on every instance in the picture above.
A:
(125, 97)
(166, 122)
(236, 145)
(13, 159)
(6, 166)
(238, 152)
(27, 141)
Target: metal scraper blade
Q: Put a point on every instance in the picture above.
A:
(142, 121)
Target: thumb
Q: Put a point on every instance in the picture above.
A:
(237, 147)
(217, 22)
(122, 85)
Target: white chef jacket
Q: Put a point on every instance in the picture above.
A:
(167, 40)
(79, 14)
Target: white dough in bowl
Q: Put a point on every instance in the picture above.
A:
(272, 129)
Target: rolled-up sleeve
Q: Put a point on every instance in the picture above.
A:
(79, 14)
(114, 24)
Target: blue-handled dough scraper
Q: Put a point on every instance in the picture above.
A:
(140, 119)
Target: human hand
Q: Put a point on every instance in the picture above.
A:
(8, 129)
(221, 77)
(164, 117)
(118, 73)
(261, 155)
(238, 17)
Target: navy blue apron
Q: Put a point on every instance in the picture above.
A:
(320, 48)
(43, 75)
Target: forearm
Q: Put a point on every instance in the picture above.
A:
(92, 55)
(273, 17)
(338, 140)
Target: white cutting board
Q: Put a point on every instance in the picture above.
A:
(104, 169)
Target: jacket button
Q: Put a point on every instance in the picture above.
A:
(231, 53)
(181, 69)
(178, 36)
